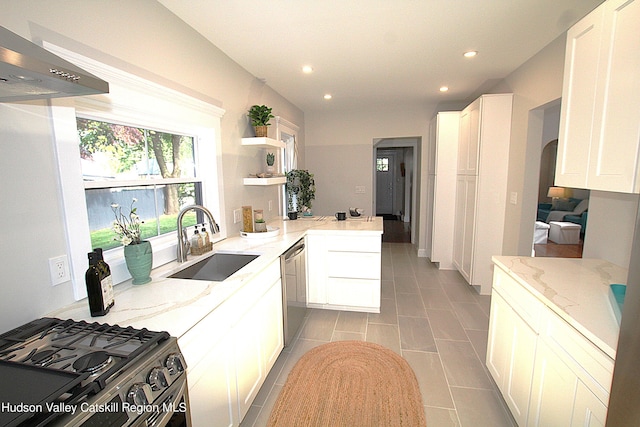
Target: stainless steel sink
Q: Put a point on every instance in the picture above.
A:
(217, 267)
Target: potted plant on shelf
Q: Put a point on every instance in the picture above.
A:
(260, 116)
(137, 252)
(301, 191)
(271, 158)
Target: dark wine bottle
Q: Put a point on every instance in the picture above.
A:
(105, 279)
(96, 282)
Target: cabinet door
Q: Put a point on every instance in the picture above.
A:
(469, 139)
(212, 388)
(615, 147)
(588, 410)
(510, 356)
(248, 359)
(554, 390)
(578, 93)
(464, 224)
(270, 325)
(499, 341)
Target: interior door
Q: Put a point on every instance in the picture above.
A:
(385, 173)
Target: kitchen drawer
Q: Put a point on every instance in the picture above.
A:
(354, 244)
(353, 292)
(521, 300)
(589, 363)
(355, 265)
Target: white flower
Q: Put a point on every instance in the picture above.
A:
(127, 227)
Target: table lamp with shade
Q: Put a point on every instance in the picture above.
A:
(558, 193)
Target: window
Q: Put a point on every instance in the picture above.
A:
(382, 164)
(123, 163)
(136, 111)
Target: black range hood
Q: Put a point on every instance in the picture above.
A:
(28, 71)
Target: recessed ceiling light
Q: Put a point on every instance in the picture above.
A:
(444, 89)
(307, 69)
(328, 96)
(470, 54)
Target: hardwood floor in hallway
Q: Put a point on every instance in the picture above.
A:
(434, 320)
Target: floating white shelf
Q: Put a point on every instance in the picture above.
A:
(277, 180)
(263, 142)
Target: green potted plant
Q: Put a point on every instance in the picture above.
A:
(260, 116)
(301, 191)
(271, 158)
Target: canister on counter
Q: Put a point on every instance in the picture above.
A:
(247, 219)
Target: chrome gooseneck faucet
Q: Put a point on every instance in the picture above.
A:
(183, 241)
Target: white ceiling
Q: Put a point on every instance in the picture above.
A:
(370, 53)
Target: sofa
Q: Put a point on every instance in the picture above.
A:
(567, 210)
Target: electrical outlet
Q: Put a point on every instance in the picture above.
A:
(513, 198)
(59, 270)
(270, 205)
(360, 189)
(237, 216)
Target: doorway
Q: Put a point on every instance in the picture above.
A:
(385, 182)
(395, 173)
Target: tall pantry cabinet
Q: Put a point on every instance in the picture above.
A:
(442, 160)
(481, 187)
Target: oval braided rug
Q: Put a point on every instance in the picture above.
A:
(350, 384)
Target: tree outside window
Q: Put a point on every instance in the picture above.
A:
(122, 162)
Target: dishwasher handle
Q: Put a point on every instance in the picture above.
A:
(294, 252)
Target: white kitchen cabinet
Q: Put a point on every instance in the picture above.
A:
(211, 373)
(230, 352)
(212, 387)
(443, 154)
(271, 326)
(599, 139)
(511, 344)
(258, 333)
(483, 157)
(588, 410)
(344, 272)
(548, 373)
(554, 390)
(249, 360)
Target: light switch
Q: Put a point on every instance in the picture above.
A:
(513, 198)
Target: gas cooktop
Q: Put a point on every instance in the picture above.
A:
(49, 363)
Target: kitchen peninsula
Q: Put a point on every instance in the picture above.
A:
(231, 332)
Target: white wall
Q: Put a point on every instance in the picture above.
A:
(143, 38)
(611, 221)
(339, 151)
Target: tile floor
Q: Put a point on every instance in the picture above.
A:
(434, 320)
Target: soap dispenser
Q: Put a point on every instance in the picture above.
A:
(196, 241)
(205, 236)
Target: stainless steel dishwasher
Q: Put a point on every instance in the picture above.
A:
(294, 289)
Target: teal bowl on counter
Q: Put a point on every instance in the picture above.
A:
(616, 297)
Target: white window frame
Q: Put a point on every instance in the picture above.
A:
(144, 104)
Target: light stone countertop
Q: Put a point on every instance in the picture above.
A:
(574, 288)
(176, 305)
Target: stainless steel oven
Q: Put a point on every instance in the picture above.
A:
(294, 289)
(91, 374)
